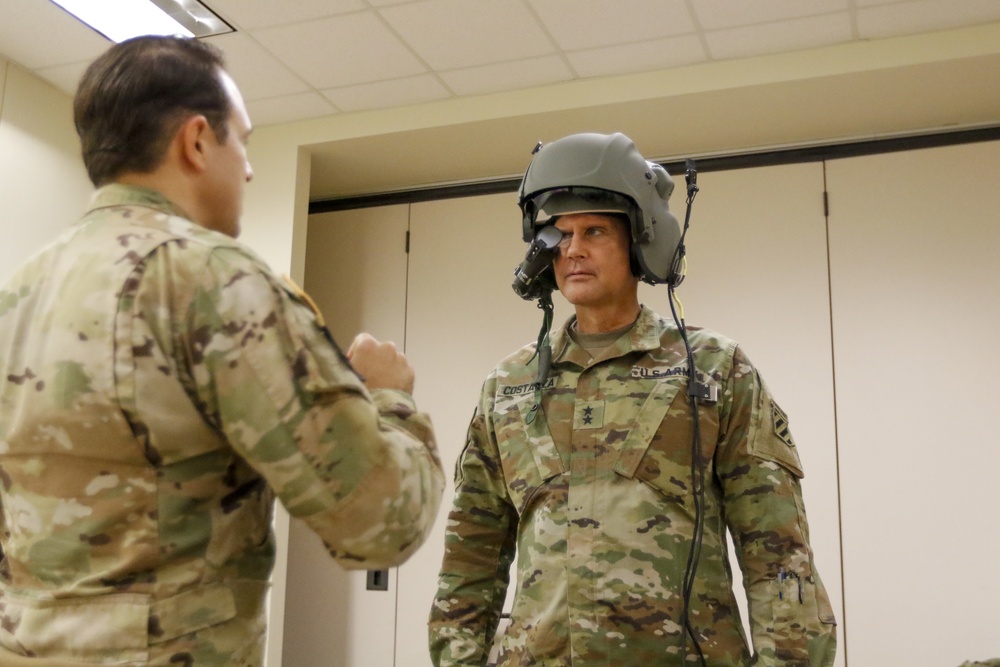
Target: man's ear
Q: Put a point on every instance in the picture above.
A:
(193, 138)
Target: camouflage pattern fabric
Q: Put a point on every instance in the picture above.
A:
(158, 386)
(596, 502)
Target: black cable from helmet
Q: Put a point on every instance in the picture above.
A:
(695, 391)
(543, 350)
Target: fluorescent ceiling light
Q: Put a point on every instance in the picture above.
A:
(119, 20)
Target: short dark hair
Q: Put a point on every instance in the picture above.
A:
(135, 95)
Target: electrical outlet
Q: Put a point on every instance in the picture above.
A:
(378, 580)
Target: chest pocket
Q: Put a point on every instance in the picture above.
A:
(657, 449)
(528, 452)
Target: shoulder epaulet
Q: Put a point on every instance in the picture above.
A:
(294, 288)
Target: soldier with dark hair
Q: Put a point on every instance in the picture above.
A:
(610, 458)
(160, 386)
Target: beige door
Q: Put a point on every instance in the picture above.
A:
(757, 273)
(915, 258)
(906, 331)
(356, 273)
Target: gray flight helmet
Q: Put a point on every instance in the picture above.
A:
(604, 173)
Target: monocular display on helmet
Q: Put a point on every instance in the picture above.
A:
(530, 279)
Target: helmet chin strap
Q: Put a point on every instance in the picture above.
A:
(543, 350)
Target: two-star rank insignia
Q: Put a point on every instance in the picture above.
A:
(588, 414)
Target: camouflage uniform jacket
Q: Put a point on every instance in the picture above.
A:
(159, 386)
(596, 501)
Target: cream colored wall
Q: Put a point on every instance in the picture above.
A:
(915, 262)
(398, 148)
(43, 185)
(873, 328)
(364, 255)
(757, 273)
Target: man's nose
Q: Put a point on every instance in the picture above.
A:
(571, 246)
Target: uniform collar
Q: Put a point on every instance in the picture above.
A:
(119, 194)
(643, 337)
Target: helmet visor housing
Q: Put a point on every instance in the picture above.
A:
(567, 201)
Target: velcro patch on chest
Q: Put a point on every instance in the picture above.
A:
(588, 414)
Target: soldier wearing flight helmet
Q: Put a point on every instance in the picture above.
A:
(610, 457)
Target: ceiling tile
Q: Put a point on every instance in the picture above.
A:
(341, 51)
(452, 34)
(37, 33)
(373, 53)
(258, 74)
(507, 76)
(580, 24)
(251, 14)
(287, 109)
(791, 35)
(638, 57)
(924, 16)
(383, 94)
(717, 14)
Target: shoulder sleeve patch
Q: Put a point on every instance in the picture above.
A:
(780, 423)
(772, 439)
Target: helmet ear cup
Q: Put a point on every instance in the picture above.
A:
(657, 247)
(674, 277)
(633, 262)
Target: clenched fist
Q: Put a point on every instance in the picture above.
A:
(380, 364)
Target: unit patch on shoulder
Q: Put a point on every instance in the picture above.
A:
(781, 429)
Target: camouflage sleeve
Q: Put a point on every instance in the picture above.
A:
(360, 469)
(479, 549)
(792, 622)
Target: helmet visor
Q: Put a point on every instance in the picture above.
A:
(566, 201)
